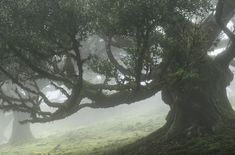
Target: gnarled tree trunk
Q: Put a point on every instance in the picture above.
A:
(199, 109)
(199, 105)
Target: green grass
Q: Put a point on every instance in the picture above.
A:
(95, 139)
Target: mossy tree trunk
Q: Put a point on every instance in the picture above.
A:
(199, 110)
(199, 106)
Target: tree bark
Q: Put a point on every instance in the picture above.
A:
(21, 133)
(199, 106)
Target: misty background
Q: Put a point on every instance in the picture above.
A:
(87, 116)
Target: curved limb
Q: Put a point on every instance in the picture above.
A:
(227, 56)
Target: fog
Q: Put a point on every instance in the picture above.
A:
(86, 116)
(89, 116)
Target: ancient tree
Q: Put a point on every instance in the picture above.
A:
(166, 45)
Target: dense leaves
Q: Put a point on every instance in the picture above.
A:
(160, 41)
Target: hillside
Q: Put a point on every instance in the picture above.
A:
(95, 139)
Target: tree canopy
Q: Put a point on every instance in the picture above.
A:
(163, 41)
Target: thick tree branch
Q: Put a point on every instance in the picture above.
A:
(117, 87)
(225, 57)
(210, 27)
(101, 100)
(219, 20)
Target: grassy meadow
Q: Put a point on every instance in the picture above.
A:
(95, 139)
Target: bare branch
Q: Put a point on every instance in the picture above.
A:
(123, 70)
(219, 20)
(117, 87)
(61, 89)
(225, 57)
(210, 27)
(45, 99)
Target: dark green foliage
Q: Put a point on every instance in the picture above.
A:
(160, 30)
(43, 29)
(103, 67)
(39, 30)
(165, 36)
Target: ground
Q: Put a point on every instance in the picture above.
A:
(221, 142)
(96, 139)
(109, 137)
